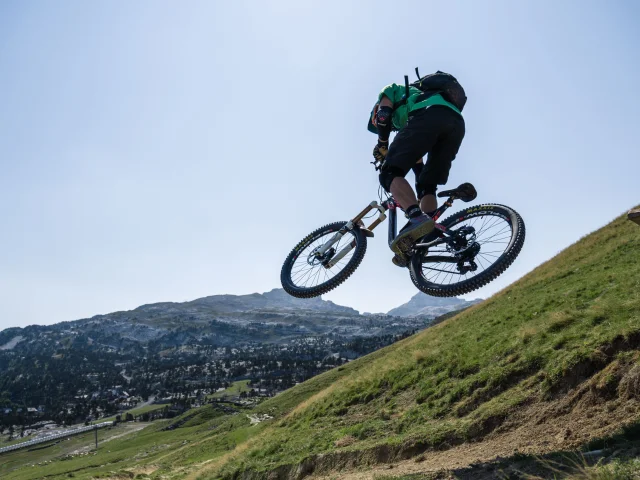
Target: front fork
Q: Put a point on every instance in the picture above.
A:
(355, 222)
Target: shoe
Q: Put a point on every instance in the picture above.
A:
(400, 261)
(415, 229)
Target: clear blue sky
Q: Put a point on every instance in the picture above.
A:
(164, 151)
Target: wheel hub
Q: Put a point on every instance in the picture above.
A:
(463, 242)
(465, 248)
(315, 259)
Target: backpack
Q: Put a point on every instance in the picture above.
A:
(440, 82)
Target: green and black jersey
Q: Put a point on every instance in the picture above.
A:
(395, 93)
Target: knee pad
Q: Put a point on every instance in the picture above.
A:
(384, 122)
(426, 189)
(387, 174)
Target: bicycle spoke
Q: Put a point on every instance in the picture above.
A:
(307, 271)
(493, 234)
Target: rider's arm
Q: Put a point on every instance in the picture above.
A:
(386, 100)
(383, 119)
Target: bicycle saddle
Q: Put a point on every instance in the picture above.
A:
(465, 192)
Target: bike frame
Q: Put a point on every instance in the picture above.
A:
(392, 207)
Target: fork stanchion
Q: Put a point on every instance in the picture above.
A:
(381, 217)
(376, 222)
(367, 209)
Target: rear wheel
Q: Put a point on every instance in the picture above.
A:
(305, 274)
(488, 240)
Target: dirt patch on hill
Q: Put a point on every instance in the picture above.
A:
(537, 436)
(607, 398)
(594, 409)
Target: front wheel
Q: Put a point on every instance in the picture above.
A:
(488, 239)
(309, 272)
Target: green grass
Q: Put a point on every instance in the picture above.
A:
(454, 381)
(23, 462)
(573, 467)
(235, 389)
(449, 384)
(627, 469)
(134, 411)
(180, 446)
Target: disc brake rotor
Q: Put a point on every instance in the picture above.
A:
(314, 259)
(465, 248)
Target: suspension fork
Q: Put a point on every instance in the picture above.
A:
(390, 205)
(347, 227)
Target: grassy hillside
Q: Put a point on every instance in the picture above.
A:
(123, 452)
(572, 317)
(550, 362)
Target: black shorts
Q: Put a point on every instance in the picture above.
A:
(436, 130)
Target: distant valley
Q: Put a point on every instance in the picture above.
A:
(97, 366)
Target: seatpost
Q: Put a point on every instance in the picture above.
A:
(442, 208)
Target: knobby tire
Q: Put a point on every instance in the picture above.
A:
(488, 275)
(348, 269)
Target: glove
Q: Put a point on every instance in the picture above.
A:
(380, 152)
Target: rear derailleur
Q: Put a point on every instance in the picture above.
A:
(464, 248)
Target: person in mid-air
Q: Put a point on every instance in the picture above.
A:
(427, 116)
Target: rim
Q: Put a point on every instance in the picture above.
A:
(492, 233)
(308, 272)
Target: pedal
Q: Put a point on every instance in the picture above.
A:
(400, 261)
(405, 245)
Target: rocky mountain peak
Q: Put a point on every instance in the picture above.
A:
(424, 305)
(276, 299)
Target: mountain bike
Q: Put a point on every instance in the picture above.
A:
(464, 252)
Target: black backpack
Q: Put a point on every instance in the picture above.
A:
(440, 82)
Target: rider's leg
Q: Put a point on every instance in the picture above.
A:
(403, 193)
(419, 224)
(428, 204)
(436, 170)
(409, 145)
(426, 192)
(427, 196)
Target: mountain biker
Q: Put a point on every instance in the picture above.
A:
(430, 125)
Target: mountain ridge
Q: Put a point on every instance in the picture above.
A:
(223, 320)
(226, 307)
